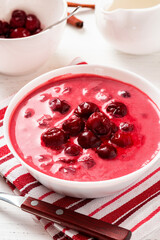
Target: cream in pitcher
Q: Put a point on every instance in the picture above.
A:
(132, 4)
(131, 26)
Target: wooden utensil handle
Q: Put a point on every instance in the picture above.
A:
(79, 222)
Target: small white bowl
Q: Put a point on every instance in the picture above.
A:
(134, 31)
(75, 188)
(24, 55)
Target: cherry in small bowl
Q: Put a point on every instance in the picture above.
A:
(31, 47)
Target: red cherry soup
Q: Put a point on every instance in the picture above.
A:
(86, 127)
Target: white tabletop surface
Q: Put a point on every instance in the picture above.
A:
(88, 44)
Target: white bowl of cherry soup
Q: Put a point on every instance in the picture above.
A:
(85, 131)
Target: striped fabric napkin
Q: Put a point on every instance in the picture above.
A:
(136, 208)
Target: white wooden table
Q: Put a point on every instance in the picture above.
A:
(88, 44)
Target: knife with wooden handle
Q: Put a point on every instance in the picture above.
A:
(86, 225)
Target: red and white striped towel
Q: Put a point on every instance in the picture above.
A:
(136, 208)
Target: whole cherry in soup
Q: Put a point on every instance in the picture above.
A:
(122, 139)
(54, 137)
(74, 125)
(72, 150)
(58, 105)
(124, 94)
(126, 127)
(99, 123)
(106, 151)
(87, 139)
(114, 127)
(85, 109)
(117, 109)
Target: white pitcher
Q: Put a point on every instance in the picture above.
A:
(131, 26)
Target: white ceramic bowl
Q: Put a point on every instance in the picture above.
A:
(74, 188)
(134, 31)
(24, 55)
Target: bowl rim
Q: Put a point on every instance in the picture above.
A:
(78, 184)
(40, 33)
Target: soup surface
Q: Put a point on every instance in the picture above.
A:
(86, 127)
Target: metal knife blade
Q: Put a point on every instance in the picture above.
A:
(12, 199)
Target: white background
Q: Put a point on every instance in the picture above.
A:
(88, 44)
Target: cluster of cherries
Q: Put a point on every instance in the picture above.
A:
(20, 25)
(92, 128)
